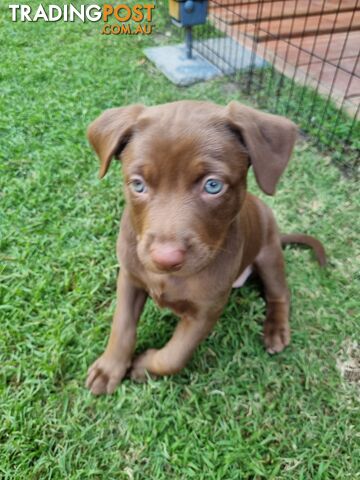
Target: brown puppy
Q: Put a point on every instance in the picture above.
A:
(190, 230)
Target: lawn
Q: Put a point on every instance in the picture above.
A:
(234, 412)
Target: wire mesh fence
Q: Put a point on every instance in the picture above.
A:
(298, 58)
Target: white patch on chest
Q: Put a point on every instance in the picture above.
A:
(239, 282)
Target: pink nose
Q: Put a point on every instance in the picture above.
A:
(167, 256)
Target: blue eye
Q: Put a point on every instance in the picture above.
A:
(138, 185)
(213, 186)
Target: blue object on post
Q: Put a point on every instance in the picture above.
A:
(187, 13)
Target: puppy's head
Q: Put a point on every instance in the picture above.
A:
(185, 167)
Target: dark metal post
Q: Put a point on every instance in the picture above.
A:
(188, 41)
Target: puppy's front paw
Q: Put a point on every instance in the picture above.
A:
(143, 364)
(105, 374)
(276, 337)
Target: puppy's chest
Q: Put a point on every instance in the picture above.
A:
(173, 293)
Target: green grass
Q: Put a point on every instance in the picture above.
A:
(234, 412)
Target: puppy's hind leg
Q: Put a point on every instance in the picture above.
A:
(271, 268)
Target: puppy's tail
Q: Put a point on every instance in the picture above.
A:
(308, 240)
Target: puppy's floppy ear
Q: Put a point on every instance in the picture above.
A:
(269, 140)
(110, 132)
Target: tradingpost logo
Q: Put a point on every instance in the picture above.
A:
(116, 18)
